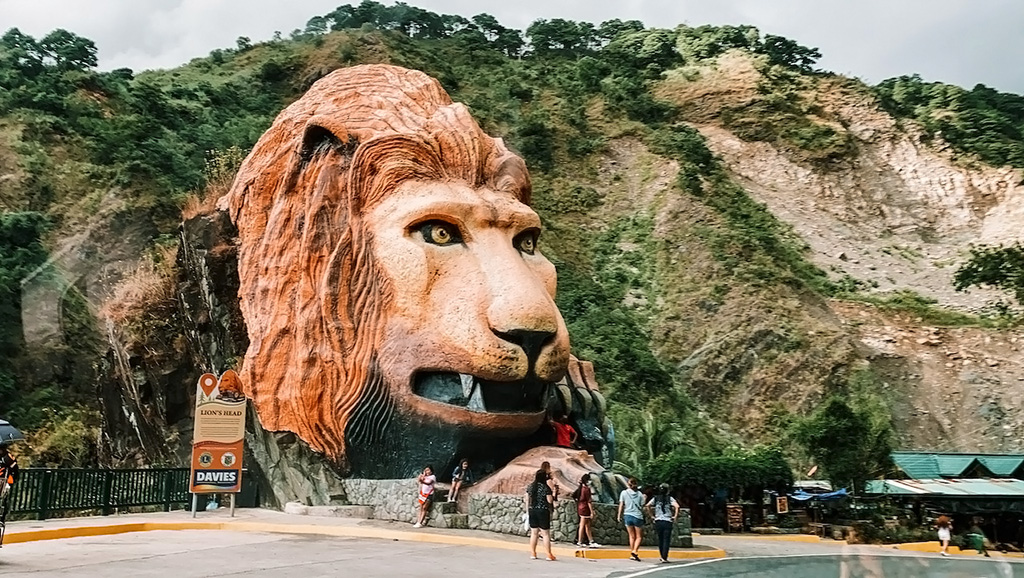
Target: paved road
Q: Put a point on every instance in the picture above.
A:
(204, 553)
(878, 565)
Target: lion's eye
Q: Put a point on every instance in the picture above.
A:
(440, 233)
(526, 242)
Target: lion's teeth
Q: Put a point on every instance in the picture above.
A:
(476, 400)
(467, 384)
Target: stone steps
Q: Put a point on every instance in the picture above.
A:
(456, 521)
(446, 507)
(357, 512)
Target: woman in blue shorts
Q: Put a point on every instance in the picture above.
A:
(631, 510)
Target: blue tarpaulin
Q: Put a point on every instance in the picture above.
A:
(802, 496)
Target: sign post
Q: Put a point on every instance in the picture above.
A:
(782, 505)
(218, 437)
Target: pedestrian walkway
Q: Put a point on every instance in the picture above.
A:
(270, 521)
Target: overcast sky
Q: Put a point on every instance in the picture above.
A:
(964, 42)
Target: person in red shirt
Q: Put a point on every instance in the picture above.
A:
(565, 435)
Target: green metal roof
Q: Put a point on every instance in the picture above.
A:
(1002, 465)
(918, 466)
(953, 466)
(934, 465)
(994, 488)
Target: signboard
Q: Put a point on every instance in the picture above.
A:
(734, 516)
(782, 505)
(219, 435)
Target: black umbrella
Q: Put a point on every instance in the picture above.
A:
(8, 433)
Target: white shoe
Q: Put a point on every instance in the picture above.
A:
(417, 525)
(594, 545)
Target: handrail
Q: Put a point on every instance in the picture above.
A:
(44, 491)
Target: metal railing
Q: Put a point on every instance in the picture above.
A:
(44, 491)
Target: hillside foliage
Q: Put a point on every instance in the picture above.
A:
(982, 121)
(559, 93)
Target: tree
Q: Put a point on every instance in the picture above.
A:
(559, 37)
(610, 29)
(709, 41)
(846, 442)
(68, 51)
(1000, 267)
(644, 436)
(787, 52)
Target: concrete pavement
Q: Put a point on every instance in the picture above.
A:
(881, 563)
(208, 554)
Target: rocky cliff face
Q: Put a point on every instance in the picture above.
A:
(894, 214)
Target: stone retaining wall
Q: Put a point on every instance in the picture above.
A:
(502, 513)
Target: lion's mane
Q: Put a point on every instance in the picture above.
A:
(312, 295)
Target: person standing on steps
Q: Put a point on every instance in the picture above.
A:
(585, 509)
(426, 481)
(539, 502)
(565, 434)
(461, 476)
(945, 530)
(664, 509)
(552, 482)
(631, 504)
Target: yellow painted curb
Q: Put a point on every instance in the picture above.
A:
(17, 537)
(933, 547)
(648, 554)
(773, 537)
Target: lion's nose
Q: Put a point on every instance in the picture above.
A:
(531, 342)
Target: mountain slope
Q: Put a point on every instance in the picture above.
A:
(737, 236)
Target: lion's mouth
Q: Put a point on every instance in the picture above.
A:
(480, 395)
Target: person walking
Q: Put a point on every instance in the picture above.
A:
(585, 509)
(945, 531)
(461, 476)
(426, 481)
(631, 503)
(539, 501)
(977, 537)
(664, 509)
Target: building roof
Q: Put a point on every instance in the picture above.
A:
(992, 488)
(934, 465)
(1002, 465)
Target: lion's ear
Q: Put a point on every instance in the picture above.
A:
(323, 135)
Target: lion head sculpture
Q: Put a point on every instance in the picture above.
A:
(396, 302)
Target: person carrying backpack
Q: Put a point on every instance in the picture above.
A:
(664, 509)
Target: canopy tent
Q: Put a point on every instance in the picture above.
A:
(813, 486)
(802, 496)
(9, 433)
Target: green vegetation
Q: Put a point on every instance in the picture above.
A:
(982, 122)
(929, 312)
(21, 255)
(764, 467)
(850, 433)
(755, 246)
(561, 93)
(1000, 267)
